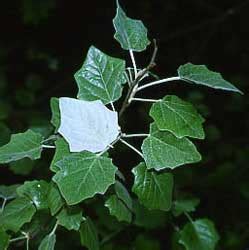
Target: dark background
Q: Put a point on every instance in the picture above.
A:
(44, 42)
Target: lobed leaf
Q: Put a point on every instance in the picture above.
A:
(48, 243)
(55, 200)
(8, 192)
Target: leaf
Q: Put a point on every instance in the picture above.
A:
(130, 33)
(16, 214)
(101, 77)
(62, 150)
(123, 194)
(48, 243)
(185, 205)
(145, 242)
(70, 218)
(89, 235)
(22, 167)
(36, 191)
(55, 119)
(83, 175)
(27, 144)
(4, 133)
(200, 74)
(118, 209)
(87, 125)
(162, 149)
(178, 117)
(4, 240)
(8, 192)
(55, 201)
(201, 234)
(154, 190)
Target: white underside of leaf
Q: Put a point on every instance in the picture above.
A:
(85, 125)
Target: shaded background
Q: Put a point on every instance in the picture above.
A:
(44, 42)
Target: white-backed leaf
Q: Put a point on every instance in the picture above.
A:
(87, 125)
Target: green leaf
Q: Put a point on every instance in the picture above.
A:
(118, 209)
(4, 134)
(82, 175)
(48, 242)
(130, 33)
(123, 194)
(8, 192)
(36, 191)
(70, 218)
(16, 214)
(162, 149)
(4, 240)
(22, 167)
(178, 117)
(200, 74)
(89, 235)
(200, 234)
(184, 205)
(27, 144)
(62, 150)
(101, 77)
(55, 119)
(55, 200)
(154, 190)
(145, 242)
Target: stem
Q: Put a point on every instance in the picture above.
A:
(131, 147)
(145, 100)
(3, 205)
(170, 79)
(18, 238)
(134, 135)
(113, 108)
(133, 62)
(109, 146)
(189, 217)
(54, 229)
(48, 146)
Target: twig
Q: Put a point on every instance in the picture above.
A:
(133, 63)
(3, 205)
(145, 100)
(131, 147)
(134, 135)
(48, 146)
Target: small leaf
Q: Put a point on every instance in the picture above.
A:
(200, 234)
(123, 194)
(178, 117)
(8, 192)
(200, 74)
(185, 205)
(48, 243)
(83, 175)
(118, 209)
(70, 218)
(130, 33)
(55, 201)
(154, 190)
(162, 149)
(22, 145)
(62, 150)
(89, 235)
(87, 125)
(37, 191)
(55, 119)
(101, 77)
(16, 214)
(4, 240)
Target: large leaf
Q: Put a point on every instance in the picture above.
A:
(161, 150)
(16, 214)
(8, 192)
(4, 240)
(178, 117)
(154, 190)
(200, 234)
(87, 125)
(55, 200)
(48, 242)
(37, 191)
(130, 33)
(200, 74)
(70, 218)
(83, 175)
(55, 119)
(62, 150)
(118, 209)
(22, 145)
(89, 235)
(101, 77)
